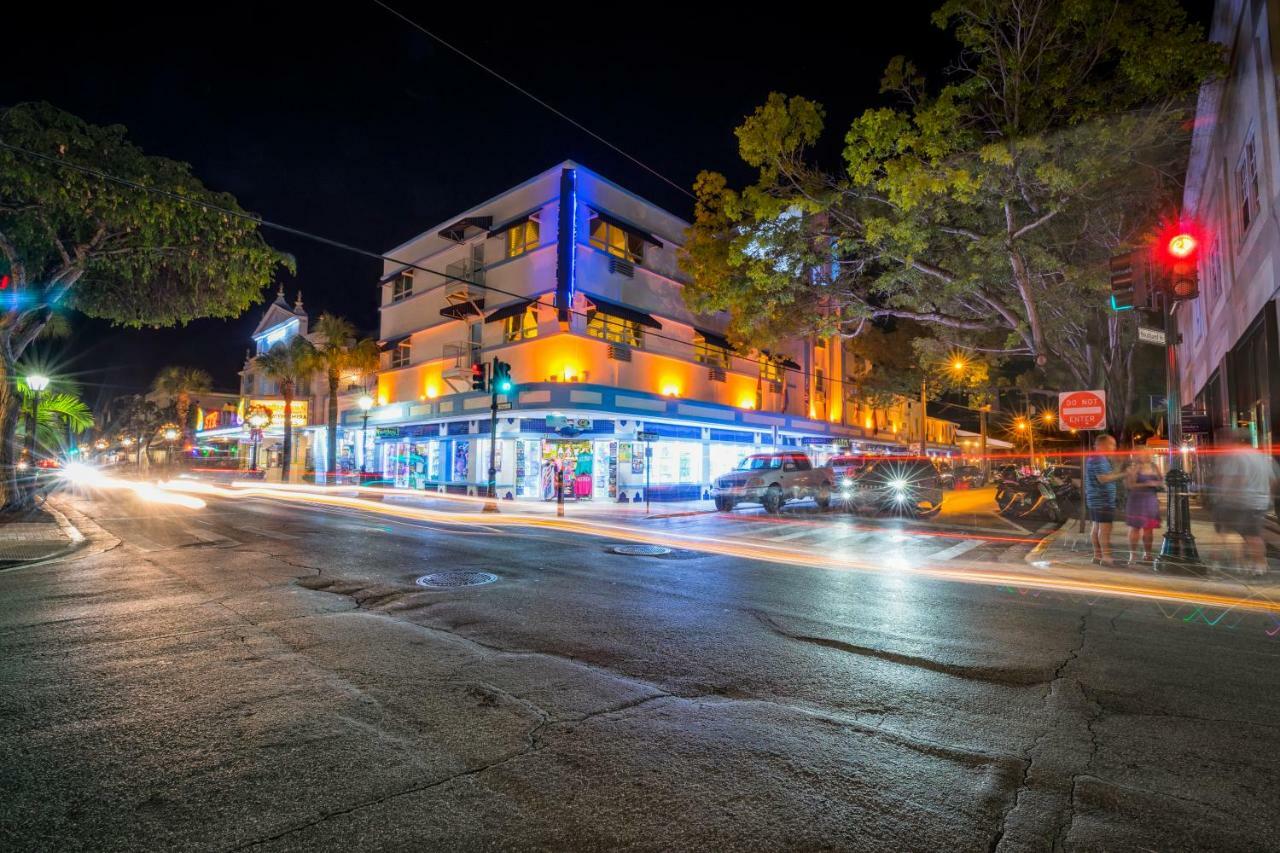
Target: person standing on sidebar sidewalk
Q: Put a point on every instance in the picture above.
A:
(1100, 492)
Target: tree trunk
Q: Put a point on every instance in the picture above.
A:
(333, 425)
(287, 390)
(11, 495)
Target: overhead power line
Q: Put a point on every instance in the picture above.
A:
(533, 97)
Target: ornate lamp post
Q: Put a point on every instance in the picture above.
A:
(258, 419)
(37, 382)
(170, 433)
(366, 403)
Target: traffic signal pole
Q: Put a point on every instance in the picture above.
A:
(491, 505)
(1178, 550)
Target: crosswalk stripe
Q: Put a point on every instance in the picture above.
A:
(955, 550)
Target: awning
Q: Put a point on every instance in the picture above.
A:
(627, 226)
(463, 310)
(781, 359)
(389, 276)
(391, 343)
(512, 223)
(511, 309)
(714, 339)
(621, 311)
(457, 232)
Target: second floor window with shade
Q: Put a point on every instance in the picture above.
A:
(522, 326)
(615, 330)
(402, 287)
(400, 355)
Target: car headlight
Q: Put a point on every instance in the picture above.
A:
(846, 481)
(754, 481)
(899, 495)
(898, 484)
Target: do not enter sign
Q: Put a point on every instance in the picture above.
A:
(1084, 410)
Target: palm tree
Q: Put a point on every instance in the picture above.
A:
(339, 352)
(288, 363)
(179, 383)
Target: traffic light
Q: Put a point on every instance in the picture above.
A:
(478, 378)
(502, 377)
(1129, 282)
(1180, 248)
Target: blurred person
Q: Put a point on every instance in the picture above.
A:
(1246, 482)
(1100, 478)
(1142, 508)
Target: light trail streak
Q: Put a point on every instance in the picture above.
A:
(1081, 582)
(86, 476)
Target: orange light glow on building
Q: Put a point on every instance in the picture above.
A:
(433, 391)
(866, 422)
(747, 403)
(671, 389)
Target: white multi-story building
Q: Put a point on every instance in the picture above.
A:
(573, 281)
(1231, 352)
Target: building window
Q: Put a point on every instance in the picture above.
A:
(1247, 186)
(615, 240)
(402, 287)
(820, 384)
(770, 370)
(615, 330)
(523, 237)
(1197, 318)
(710, 354)
(1212, 275)
(521, 327)
(400, 355)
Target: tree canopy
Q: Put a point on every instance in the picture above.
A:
(983, 208)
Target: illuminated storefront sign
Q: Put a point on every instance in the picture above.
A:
(276, 408)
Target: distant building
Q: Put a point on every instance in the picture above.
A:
(225, 434)
(1231, 351)
(573, 280)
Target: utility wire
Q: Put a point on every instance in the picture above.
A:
(533, 97)
(337, 244)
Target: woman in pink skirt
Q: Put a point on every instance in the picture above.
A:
(1142, 508)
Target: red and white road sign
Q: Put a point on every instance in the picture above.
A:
(1082, 410)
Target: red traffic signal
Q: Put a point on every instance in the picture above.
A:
(478, 376)
(1177, 250)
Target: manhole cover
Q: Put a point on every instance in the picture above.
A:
(444, 580)
(640, 550)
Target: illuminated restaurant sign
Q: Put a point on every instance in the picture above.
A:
(276, 408)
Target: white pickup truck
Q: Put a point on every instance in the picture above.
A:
(772, 479)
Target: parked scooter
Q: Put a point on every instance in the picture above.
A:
(1030, 497)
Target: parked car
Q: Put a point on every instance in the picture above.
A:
(845, 468)
(772, 479)
(907, 486)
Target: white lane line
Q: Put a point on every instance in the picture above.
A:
(954, 551)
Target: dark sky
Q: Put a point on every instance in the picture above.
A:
(340, 119)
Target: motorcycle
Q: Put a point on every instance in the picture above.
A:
(1030, 497)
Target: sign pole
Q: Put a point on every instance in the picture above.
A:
(491, 505)
(1178, 550)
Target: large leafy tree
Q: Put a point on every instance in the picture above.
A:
(179, 384)
(289, 363)
(338, 352)
(984, 208)
(73, 238)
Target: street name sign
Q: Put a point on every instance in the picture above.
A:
(1082, 410)
(646, 436)
(1148, 335)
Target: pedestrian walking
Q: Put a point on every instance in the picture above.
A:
(1142, 507)
(1100, 478)
(1245, 483)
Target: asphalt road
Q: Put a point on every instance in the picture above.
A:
(269, 676)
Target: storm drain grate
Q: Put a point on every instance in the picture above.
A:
(446, 580)
(640, 550)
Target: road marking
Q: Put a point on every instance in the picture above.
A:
(271, 534)
(955, 550)
(792, 534)
(210, 538)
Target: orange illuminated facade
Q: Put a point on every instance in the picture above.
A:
(586, 305)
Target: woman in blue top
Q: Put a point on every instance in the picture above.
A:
(1142, 508)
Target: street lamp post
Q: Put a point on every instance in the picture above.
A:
(366, 403)
(258, 420)
(170, 435)
(37, 382)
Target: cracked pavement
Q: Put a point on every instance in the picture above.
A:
(254, 676)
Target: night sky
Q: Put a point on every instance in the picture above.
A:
(343, 120)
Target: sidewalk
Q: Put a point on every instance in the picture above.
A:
(37, 534)
(1220, 551)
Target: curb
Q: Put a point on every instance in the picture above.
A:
(78, 541)
(1043, 544)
